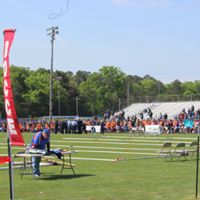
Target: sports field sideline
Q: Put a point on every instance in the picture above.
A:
(110, 166)
(115, 144)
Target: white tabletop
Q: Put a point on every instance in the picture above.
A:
(69, 152)
(29, 155)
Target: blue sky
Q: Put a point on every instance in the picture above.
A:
(156, 37)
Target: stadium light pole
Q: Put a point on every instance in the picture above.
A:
(59, 79)
(51, 32)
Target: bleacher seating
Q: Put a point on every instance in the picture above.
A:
(171, 108)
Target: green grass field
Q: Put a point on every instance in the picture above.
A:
(139, 175)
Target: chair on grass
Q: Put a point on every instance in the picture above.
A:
(180, 151)
(166, 150)
(192, 150)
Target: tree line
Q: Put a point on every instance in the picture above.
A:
(85, 93)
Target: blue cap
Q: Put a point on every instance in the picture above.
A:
(46, 131)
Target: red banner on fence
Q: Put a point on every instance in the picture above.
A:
(16, 138)
(4, 159)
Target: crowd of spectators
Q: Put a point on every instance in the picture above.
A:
(177, 124)
(116, 122)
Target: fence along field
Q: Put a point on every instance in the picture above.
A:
(110, 166)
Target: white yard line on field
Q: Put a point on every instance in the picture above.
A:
(117, 152)
(19, 167)
(118, 148)
(157, 137)
(5, 147)
(114, 140)
(2, 154)
(80, 158)
(94, 159)
(95, 147)
(121, 140)
(113, 152)
(121, 143)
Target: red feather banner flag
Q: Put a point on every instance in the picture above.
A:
(4, 159)
(16, 138)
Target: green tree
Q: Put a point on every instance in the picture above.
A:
(188, 88)
(149, 87)
(102, 90)
(37, 96)
(18, 77)
(197, 86)
(174, 87)
(81, 76)
(61, 94)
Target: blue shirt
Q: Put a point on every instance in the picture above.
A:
(38, 142)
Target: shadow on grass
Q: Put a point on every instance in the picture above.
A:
(58, 177)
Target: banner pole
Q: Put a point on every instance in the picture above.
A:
(197, 168)
(11, 180)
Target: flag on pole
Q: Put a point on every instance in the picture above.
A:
(16, 138)
(4, 159)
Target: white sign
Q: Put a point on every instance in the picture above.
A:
(152, 129)
(93, 129)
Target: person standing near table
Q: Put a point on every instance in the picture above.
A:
(39, 141)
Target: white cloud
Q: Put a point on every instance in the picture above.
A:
(141, 2)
